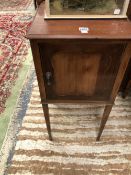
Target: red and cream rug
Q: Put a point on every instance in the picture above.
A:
(74, 150)
(14, 48)
(15, 4)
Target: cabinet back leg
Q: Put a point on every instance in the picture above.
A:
(47, 119)
(104, 119)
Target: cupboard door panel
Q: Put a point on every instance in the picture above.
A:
(80, 70)
(75, 74)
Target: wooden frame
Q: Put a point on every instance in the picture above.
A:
(129, 10)
(122, 16)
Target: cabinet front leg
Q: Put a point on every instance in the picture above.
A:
(106, 114)
(47, 120)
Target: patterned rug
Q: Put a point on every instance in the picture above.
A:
(74, 150)
(15, 4)
(13, 50)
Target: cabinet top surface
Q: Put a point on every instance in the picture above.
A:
(68, 29)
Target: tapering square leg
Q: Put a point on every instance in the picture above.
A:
(47, 120)
(104, 119)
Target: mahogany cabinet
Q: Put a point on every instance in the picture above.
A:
(75, 67)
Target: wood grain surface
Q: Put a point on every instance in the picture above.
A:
(98, 29)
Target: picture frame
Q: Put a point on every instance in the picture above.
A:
(116, 12)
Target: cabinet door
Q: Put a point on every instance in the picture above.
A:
(79, 69)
